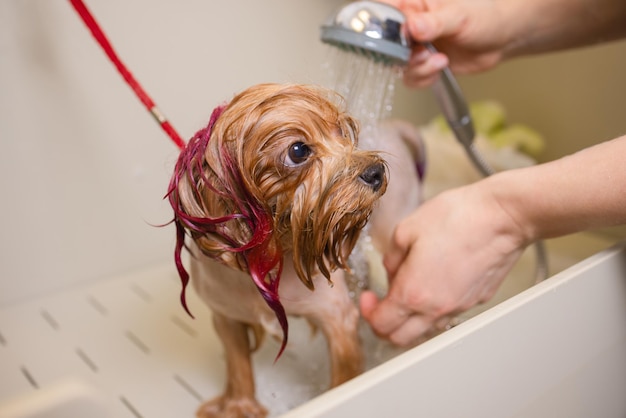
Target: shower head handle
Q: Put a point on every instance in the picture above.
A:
(454, 107)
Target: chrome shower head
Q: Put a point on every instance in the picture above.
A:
(376, 30)
(369, 28)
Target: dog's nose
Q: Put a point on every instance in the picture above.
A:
(374, 176)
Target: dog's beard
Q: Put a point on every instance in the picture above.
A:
(325, 224)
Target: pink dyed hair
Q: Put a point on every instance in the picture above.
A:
(263, 256)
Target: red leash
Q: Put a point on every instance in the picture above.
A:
(130, 80)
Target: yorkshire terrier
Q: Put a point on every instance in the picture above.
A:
(274, 194)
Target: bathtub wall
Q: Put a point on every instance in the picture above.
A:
(83, 167)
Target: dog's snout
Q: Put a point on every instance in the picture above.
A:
(374, 176)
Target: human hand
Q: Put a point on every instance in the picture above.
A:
(470, 36)
(450, 254)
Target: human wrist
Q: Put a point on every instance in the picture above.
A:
(538, 26)
(509, 194)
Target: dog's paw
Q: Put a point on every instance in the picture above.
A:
(226, 407)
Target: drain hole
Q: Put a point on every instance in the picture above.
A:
(141, 292)
(188, 329)
(87, 360)
(190, 389)
(130, 407)
(137, 342)
(50, 319)
(29, 377)
(95, 303)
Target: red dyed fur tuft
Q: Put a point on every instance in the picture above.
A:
(263, 257)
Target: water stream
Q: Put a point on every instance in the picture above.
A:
(367, 86)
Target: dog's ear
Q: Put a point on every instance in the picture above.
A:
(213, 201)
(228, 221)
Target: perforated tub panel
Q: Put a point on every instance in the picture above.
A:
(129, 339)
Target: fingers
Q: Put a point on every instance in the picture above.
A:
(418, 329)
(395, 3)
(393, 260)
(367, 303)
(424, 67)
(394, 323)
(404, 237)
(426, 26)
(415, 329)
(384, 316)
(434, 24)
(407, 314)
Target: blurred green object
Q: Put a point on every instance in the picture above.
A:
(489, 119)
(521, 137)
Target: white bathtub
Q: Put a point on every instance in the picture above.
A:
(555, 350)
(123, 347)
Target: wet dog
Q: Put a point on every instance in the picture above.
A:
(273, 195)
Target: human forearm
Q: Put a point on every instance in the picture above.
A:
(535, 26)
(579, 192)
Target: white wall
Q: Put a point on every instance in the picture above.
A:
(574, 98)
(83, 167)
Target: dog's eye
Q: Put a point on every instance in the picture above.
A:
(298, 153)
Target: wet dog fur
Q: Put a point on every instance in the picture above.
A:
(272, 196)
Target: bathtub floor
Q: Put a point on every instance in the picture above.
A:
(129, 342)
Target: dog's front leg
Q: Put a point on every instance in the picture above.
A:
(346, 354)
(238, 399)
(331, 310)
(340, 327)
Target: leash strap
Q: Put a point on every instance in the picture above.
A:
(99, 35)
